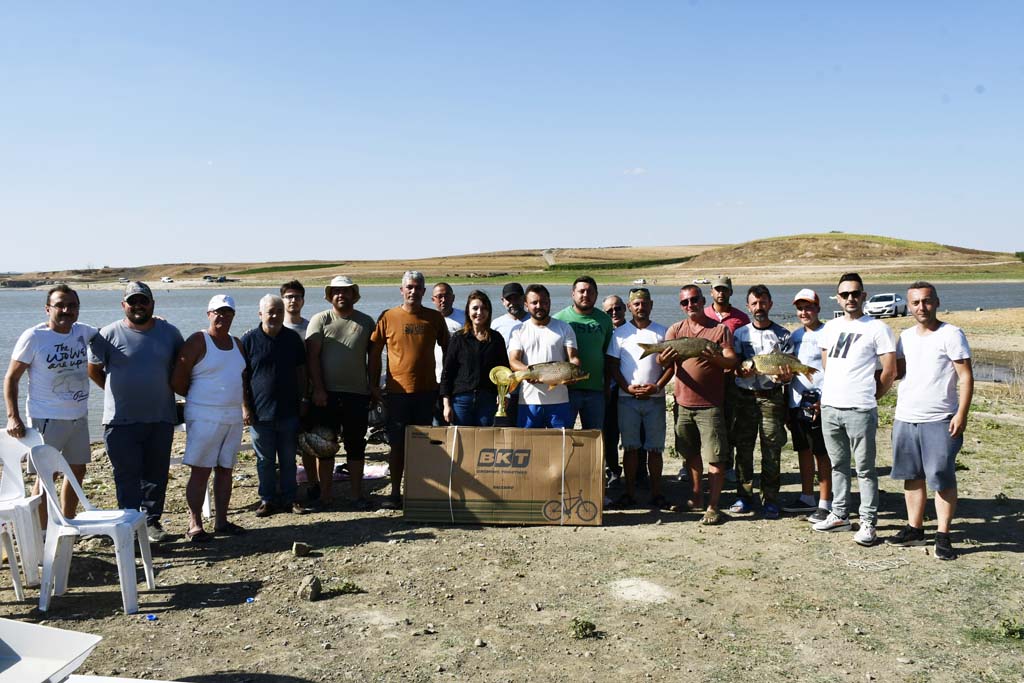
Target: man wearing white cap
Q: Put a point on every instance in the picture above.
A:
(209, 373)
(337, 347)
(131, 360)
(805, 412)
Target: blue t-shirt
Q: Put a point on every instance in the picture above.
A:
(273, 379)
(138, 366)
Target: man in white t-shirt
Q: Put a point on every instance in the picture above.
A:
(55, 355)
(542, 339)
(641, 393)
(512, 296)
(851, 347)
(934, 361)
(443, 297)
(804, 417)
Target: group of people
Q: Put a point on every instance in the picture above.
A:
(289, 374)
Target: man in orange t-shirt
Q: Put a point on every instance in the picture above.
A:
(410, 332)
(699, 390)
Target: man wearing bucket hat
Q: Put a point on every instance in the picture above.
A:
(131, 360)
(337, 354)
(210, 373)
(805, 412)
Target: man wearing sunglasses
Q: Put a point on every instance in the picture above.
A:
(700, 393)
(131, 360)
(616, 310)
(851, 347)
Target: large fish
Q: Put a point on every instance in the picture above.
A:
(552, 374)
(686, 347)
(776, 363)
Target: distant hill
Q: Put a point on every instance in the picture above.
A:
(797, 258)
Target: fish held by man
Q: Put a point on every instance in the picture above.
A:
(777, 363)
(552, 374)
(686, 347)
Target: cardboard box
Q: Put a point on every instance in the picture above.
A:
(500, 475)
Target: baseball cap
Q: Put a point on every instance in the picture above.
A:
(511, 288)
(133, 288)
(340, 281)
(806, 294)
(220, 301)
(722, 281)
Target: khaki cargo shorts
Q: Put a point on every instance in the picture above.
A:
(701, 431)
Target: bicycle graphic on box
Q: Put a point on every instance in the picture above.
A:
(555, 510)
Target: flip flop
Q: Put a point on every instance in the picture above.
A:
(201, 536)
(230, 528)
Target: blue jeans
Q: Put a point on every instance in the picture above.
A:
(589, 405)
(549, 416)
(475, 408)
(275, 443)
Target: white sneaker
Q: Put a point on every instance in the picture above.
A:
(832, 523)
(866, 535)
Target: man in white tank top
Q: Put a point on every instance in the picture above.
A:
(209, 373)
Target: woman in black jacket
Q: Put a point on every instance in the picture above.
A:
(470, 398)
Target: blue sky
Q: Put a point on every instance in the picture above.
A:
(135, 133)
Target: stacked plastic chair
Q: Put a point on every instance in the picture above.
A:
(125, 527)
(18, 512)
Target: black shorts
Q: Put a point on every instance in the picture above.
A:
(349, 414)
(806, 434)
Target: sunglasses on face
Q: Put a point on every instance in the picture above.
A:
(617, 307)
(856, 294)
(693, 300)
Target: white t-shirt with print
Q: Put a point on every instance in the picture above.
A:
(805, 345)
(928, 392)
(853, 348)
(453, 327)
(625, 346)
(58, 372)
(543, 344)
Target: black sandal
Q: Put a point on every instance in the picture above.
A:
(229, 528)
(199, 537)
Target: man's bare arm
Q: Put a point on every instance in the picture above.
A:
(965, 385)
(15, 427)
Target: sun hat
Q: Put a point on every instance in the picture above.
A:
(133, 288)
(806, 294)
(218, 301)
(340, 281)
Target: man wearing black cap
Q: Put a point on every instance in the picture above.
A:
(131, 360)
(513, 298)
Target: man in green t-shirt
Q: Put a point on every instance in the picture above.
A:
(593, 328)
(337, 349)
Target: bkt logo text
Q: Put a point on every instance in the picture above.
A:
(504, 457)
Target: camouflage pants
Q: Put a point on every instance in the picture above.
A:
(763, 415)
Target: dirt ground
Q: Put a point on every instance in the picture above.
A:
(750, 600)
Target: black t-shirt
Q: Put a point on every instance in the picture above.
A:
(272, 372)
(468, 361)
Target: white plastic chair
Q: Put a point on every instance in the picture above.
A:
(125, 527)
(12, 562)
(21, 512)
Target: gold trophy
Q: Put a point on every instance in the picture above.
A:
(501, 376)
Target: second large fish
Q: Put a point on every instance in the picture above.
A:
(686, 347)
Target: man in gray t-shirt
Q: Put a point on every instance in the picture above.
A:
(131, 360)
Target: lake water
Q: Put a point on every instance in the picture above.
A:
(186, 308)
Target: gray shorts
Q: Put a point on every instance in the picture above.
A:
(70, 437)
(925, 450)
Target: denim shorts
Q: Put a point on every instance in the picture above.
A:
(642, 423)
(925, 450)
